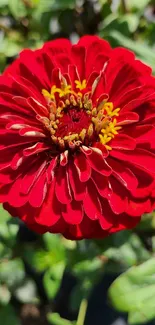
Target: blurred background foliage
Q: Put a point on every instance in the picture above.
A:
(47, 279)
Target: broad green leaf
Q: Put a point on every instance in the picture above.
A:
(143, 315)
(134, 292)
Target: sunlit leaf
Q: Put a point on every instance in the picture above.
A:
(134, 292)
(139, 5)
(17, 8)
(3, 3)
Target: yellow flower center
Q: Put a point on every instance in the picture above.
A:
(89, 123)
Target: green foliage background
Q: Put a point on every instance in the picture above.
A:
(32, 267)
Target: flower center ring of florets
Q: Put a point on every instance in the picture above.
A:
(74, 120)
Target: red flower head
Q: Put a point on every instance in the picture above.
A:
(77, 138)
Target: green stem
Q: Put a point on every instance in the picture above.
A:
(82, 312)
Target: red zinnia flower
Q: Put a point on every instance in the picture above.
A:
(77, 138)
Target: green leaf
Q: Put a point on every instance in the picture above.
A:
(3, 3)
(8, 231)
(52, 279)
(113, 22)
(134, 292)
(135, 4)
(17, 8)
(54, 244)
(12, 272)
(87, 267)
(55, 319)
(44, 6)
(4, 215)
(10, 47)
(147, 223)
(8, 316)
(132, 20)
(127, 254)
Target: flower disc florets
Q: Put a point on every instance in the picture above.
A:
(75, 120)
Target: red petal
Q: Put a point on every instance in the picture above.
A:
(123, 141)
(94, 46)
(91, 203)
(62, 187)
(38, 107)
(83, 167)
(143, 133)
(78, 187)
(136, 208)
(36, 148)
(64, 158)
(57, 46)
(73, 213)
(118, 199)
(127, 118)
(108, 218)
(100, 149)
(102, 184)
(15, 198)
(50, 170)
(31, 176)
(38, 192)
(123, 174)
(78, 55)
(139, 157)
(98, 163)
(50, 211)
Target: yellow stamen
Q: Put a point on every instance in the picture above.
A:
(46, 93)
(83, 134)
(81, 85)
(105, 124)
